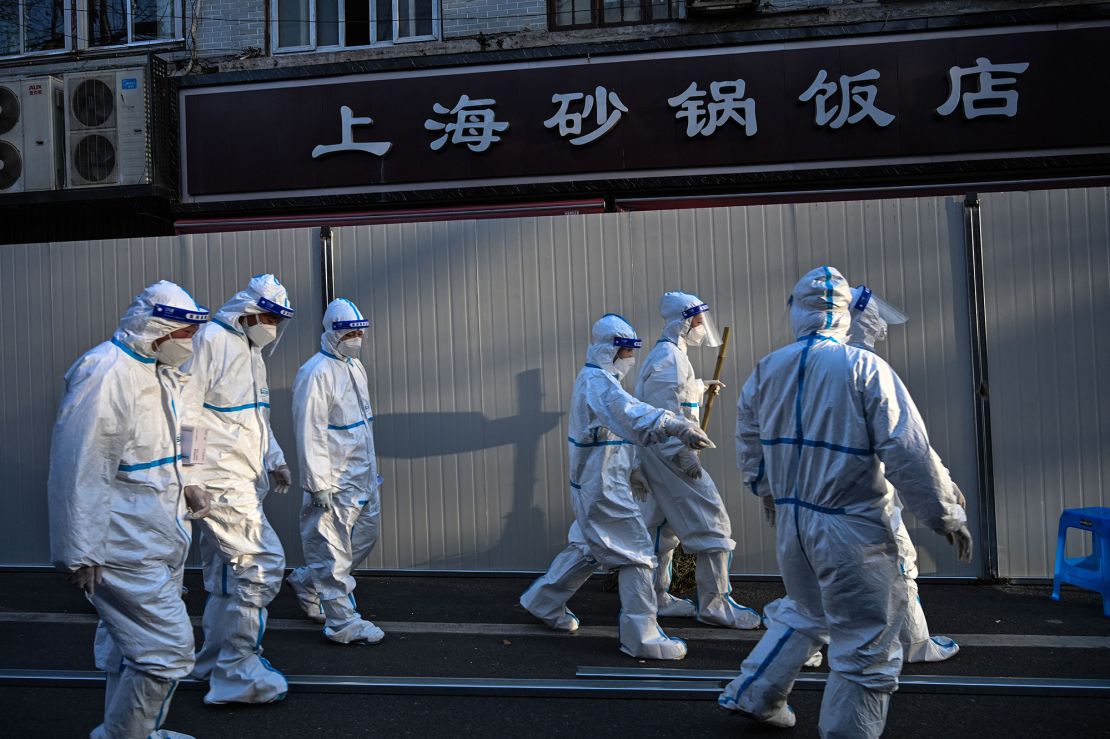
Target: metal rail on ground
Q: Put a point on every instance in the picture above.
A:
(597, 682)
(490, 686)
(959, 685)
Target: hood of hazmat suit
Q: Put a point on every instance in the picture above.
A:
(817, 420)
(870, 317)
(678, 310)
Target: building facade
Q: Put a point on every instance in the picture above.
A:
(76, 162)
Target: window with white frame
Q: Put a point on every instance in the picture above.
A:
(34, 26)
(304, 25)
(122, 22)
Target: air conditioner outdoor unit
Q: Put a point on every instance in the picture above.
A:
(107, 139)
(31, 125)
(719, 7)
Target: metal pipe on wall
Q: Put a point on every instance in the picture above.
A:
(327, 264)
(987, 535)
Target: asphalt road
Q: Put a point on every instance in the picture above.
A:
(471, 627)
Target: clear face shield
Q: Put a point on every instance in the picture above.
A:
(702, 330)
(886, 311)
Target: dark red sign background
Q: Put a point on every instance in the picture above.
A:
(261, 140)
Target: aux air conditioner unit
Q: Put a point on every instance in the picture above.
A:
(719, 7)
(31, 126)
(107, 140)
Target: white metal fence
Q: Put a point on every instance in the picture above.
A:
(480, 326)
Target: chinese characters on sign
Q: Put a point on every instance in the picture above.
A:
(347, 142)
(571, 123)
(474, 124)
(845, 101)
(1005, 100)
(847, 92)
(728, 104)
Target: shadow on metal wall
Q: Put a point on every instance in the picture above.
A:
(420, 435)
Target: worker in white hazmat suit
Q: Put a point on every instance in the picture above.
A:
(118, 505)
(342, 508)
(817, 422)
(870, 318)
(242, 556)
(682, 501)
(604, 424)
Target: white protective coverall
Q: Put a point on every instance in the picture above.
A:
(869, 327)
(817, 420)
(604, 424)
(242, 556)
(116, 500)
(679, 506)
(335, 449)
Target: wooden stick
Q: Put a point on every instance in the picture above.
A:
(715, 390)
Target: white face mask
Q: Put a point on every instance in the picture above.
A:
(350, 347)
(696, 335)
(174, 352)
(262, 334)
(623, 366)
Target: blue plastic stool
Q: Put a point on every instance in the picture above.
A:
(1090, 573)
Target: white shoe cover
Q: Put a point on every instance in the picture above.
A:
(673, 607)
(715, 603)
(933, 649)
(346, 626)
(307, 598)
(565, 621)
(784, 718)
(547, 597)
(639, 631)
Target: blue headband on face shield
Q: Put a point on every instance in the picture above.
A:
(349, 325)
(627, 343)
(694, 310)
(272, 307)
(864, 299)
(181, 315)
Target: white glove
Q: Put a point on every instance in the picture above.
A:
(198, 500)
(281, 479)
(687, 461)
(769, 514)
(961, 501)
(713, 386)
(687, 432)
(322, 499)
(87, 578)
(961, 539)
(639, 484)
